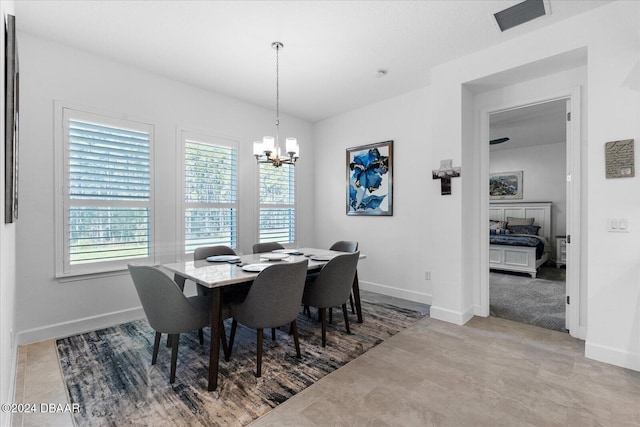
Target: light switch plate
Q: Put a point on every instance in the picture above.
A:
(618, 225)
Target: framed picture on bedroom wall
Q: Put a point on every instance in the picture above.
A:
(505, 185)
(370, 179)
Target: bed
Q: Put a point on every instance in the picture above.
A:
(519, 250)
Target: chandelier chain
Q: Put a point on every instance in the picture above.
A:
(277, 85)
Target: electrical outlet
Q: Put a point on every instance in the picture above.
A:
(427, 275)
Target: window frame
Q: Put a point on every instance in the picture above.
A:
(293, 206)
(62, 200)
(207, 137)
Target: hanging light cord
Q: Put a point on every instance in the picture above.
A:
(277, 85)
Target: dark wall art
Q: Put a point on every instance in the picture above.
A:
(370, 179)
(11, 85)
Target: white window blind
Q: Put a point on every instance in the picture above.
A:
(107, 192)
(210, 192)
(277, 203)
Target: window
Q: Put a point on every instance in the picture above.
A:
(277, 203)
(210, 191)
(107, 193)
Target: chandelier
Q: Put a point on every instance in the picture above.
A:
(268, 150)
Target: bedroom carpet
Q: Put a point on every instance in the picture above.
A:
(539, 301)
(109, 373)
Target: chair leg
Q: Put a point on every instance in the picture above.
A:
(306, 310)
(223, 339)
(175, 339)
(259, 363)
(273, 334)
(232, 335)
(156, 345)
(168, 340)
(353, 307)
(296, 341)
(200, 336)
(330, 315)
(323, 321)
(346, 317)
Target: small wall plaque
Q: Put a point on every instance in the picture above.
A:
(619, 159)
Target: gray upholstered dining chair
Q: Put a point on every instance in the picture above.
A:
(345, 246)
(259, 248)
(331, 288)
(272, 301)
(168, 310)
(342, 246)
(199, 254)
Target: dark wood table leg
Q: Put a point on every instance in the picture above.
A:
(214, 351)
(356, 297)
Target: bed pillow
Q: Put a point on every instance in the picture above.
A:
(497, 225)
(523, 229)
(498, 231)
(519, 221)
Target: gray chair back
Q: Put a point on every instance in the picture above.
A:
(332, 286)
(344, 246)
(274, 297)
(259, 248)
(205, 252)
(166, 307)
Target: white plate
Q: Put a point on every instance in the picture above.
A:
(255, 267)
(274, 257)
(223, 258)
(322, 257)
(287, 251)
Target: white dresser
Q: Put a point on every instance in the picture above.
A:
(561, 251)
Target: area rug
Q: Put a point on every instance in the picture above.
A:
(539, 301)
(109, 374)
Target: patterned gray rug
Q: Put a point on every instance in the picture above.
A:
(109, 373)
(539, 301)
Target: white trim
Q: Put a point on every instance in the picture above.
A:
(612, 356)
(396, 292)
(455, 317)
(573, 217)
(62, 269)
(79, 326)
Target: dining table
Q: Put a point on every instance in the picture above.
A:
(222, 274)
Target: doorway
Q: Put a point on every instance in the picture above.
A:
(528, 166)
(573, 197)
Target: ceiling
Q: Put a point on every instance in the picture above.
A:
(332, 49)
(538, 124)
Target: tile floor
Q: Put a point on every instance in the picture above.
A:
(489, 372)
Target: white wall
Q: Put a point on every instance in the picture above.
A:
(7, 266)
(543, 177)
(611, 38)
(51, 72)
(398, 246)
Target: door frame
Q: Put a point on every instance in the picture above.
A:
(573, 219)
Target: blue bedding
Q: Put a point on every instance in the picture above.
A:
(518, 240)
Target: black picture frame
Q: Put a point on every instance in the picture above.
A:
(11, 86)
(370, 179)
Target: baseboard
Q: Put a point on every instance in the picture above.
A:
(396, 292)
(612, 356)
(79, 326)
(455, 317)
(580, 332)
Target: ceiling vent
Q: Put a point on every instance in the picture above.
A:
(519, 14)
